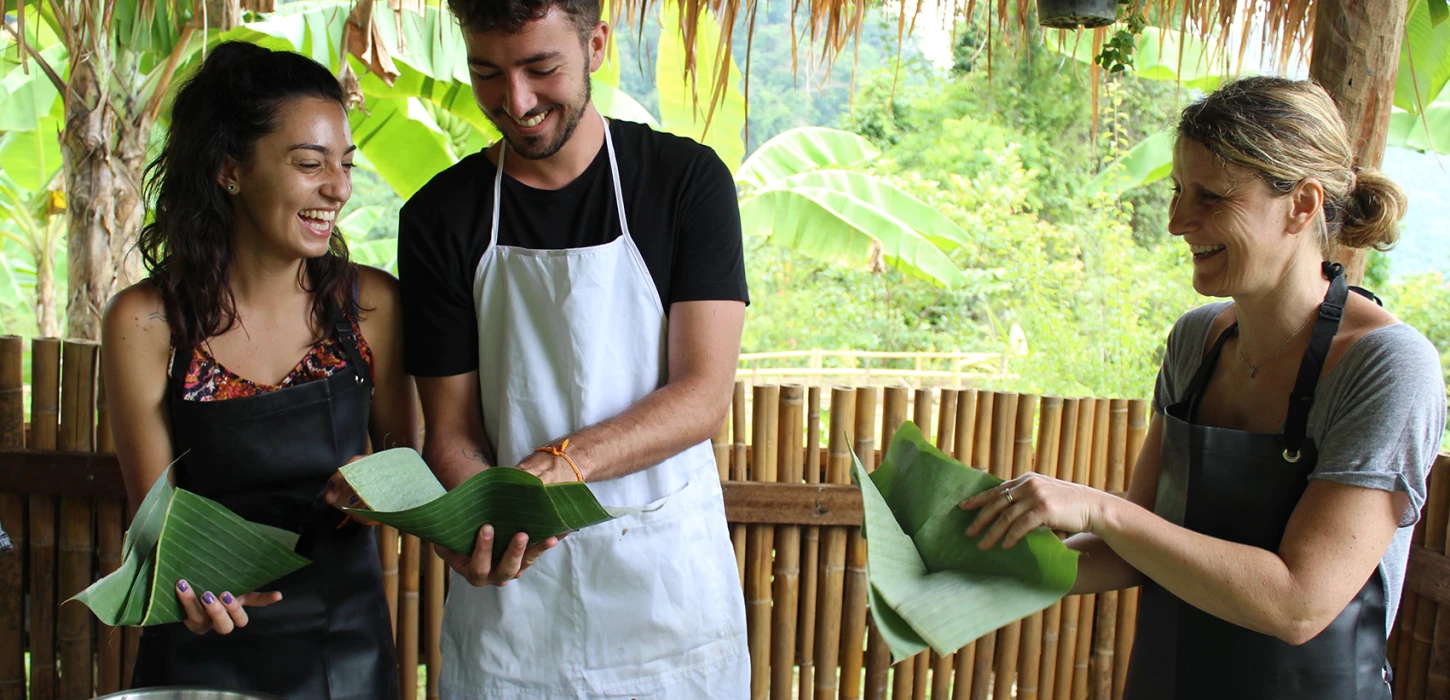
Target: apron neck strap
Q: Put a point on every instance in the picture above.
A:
(348, 337)
(1325, 328)
(613, 174)
(1310, 367)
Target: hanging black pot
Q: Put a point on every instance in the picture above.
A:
(1071, 14)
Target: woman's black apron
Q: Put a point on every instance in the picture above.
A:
(267, 458)
(1242, 487)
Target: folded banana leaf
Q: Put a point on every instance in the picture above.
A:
(930, 584)
(400, 490)
(177, 534)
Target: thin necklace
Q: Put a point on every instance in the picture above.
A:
(1254, 368)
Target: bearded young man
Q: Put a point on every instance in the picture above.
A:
(573, 298)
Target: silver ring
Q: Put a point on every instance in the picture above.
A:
(1008, 492)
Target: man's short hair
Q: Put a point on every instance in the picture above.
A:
(510, 16)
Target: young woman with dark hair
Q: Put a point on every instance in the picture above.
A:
(248, 273)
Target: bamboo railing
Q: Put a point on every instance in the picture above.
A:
(795, 521)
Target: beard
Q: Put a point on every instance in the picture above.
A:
(541, 146)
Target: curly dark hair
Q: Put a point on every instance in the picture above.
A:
(233, 100)
(510, 16)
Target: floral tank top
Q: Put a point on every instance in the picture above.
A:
(208, 380)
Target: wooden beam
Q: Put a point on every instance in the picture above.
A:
(60, 473)
(1356, 57)
(1428, 575)
(792, 504)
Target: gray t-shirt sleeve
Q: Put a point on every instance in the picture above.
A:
(1183, 354)
(1379, 415)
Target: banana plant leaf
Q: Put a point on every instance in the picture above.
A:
(930, 585)
(400, 490)
(177, 534)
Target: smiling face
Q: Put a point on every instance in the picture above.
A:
(534, 84)
(1242, 235)
(298, 176)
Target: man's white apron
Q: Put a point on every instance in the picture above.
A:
(644, 606)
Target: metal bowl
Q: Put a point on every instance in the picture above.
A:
(187, 693)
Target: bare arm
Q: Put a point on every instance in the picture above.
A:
(135, 350)
(393, 419)
(703, 350)
(1100, 568)
(454, 445)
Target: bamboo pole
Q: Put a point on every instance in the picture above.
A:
(1427, 614)
(853, 624)
(45, 424)
(1128, 599)
(737, 471)
(77, 544)
(1074, 464)
(1032, 679)
(946, 434)
(388, 560)
(720, 443)
(833, 545)
(1107, 617)
(787, 548)
(878, 656)
(810, 552)
(986, 645)
(910, 677)
(760, 540)
(407, 634)
(1096, 465)
(964, 658)
(1013, 458)
(435, 576)
(12, 517)
(1409, 608)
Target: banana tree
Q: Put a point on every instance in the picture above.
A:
(32, 208)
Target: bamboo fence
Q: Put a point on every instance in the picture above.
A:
(794, 520)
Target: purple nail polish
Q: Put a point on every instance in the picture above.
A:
(181, 586)
(208, 598)
(227, 598)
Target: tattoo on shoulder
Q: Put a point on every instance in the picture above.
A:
(157, 316)
(475, 455)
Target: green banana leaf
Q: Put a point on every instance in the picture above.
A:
(930, 585)
(831, 225)
(1424, 59)
(687, 112)
(801, 150)
(922, 218)
(400, 490)
(177, 534)
(1148, 162)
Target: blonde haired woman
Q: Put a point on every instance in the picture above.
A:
(1270, 514)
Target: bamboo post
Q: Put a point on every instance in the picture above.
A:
(720, 443)
(1107, 617)
(787, 548)
(1016, 419)
(1030, 646)
(12, 519)
(77, 545)
(435, 575)
(1128, 599)
(388, 560)
(810, 552)
(1073, 463)
(45, 424)
(1437, 508)
(110, 529)
(407, 634)
(946, 432)
(1095, 464)
(1438, 674)
(878, 657)
(986, 645)
(1409, 609)
(737, 471)
(853, 623)
(1033, 681)
(760, 540)
(965, 658)
(833, 545)
(909, 679)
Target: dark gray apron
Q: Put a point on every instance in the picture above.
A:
(1242, 487)
(267, 458)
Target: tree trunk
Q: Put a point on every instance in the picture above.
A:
(47, 323)
(104, 157)
(1356, 56)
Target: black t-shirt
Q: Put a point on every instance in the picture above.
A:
(678, 196)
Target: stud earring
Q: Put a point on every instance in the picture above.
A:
(232, 187)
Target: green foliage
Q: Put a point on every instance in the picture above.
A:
(1116, 55)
